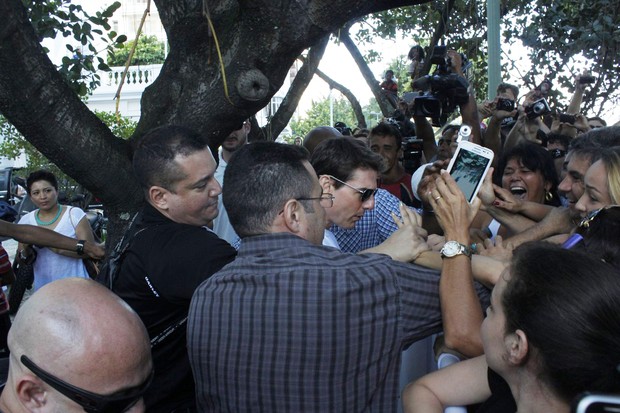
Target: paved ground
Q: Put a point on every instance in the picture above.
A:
(11, 247)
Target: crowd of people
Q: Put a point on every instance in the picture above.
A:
(310, 277)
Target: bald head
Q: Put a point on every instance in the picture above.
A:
(318, 135)
(81, 333)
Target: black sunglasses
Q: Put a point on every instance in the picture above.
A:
(118, 402)
(365, 193)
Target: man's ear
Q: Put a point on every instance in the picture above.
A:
(326, 183)
(293, 214)
(518, 347)
(31, 393)
(159, 197)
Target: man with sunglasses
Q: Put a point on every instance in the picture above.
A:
(292, 325)
(75, 347)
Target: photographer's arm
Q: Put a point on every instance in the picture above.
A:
(492, 136)
(574, 107)
(424, 131)
(469, 109)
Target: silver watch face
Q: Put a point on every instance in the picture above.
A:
(451, 248)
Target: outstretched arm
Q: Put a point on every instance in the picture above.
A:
(460, 307)
(31, 234)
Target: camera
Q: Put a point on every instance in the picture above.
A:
(505, 105)
(538, 108)
(412, 153)
(566, 118)
(464, 133)
(443, 93)
(343, 128)
(444, 63)
(587, 79)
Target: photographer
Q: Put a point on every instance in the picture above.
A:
(529, 121)
(500, 112)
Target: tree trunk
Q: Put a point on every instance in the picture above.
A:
(259, 41)
(355, 104)
(291, 100)
(366, 72)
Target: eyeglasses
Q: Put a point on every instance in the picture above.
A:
(585, 223)
(365, 193)
(120, 401)
(326, 200)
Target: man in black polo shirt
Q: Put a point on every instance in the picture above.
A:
(171, 254)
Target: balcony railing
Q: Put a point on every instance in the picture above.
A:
(138, 77)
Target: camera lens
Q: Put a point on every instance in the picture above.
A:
(538, 108)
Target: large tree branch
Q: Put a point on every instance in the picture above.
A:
(288, 106)
(364, 70)
(39, 103)
(355, 104)
(440, 30)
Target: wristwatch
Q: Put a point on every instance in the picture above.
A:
(79, 248)
(454, 248)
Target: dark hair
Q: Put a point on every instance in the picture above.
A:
(566, 303)
(41, 175)
(341, 157)
(389, 71)
(601, 236)
(563, 140)
(599, 119)
(420, 52)
(535, 158)
(260, 178)
(450, 127)
(154, 159)
(591, 144)
(502, 87)
(387, 129)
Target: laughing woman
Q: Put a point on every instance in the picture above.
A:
(50, 263)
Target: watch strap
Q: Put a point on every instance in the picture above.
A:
(79, 248)
(464, 250)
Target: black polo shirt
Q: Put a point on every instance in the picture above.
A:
(163, 266)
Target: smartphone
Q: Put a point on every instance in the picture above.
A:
(596, 403)
(468, 167)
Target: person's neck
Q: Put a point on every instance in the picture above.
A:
(393, 175)
(226, 155)
(533, 396)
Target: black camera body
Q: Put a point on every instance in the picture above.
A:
(587, 79)
(566, 118)
(538, 108)
(443, 62)
(443, 93)
(412, 153)
(343, 128)
(505, 104)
